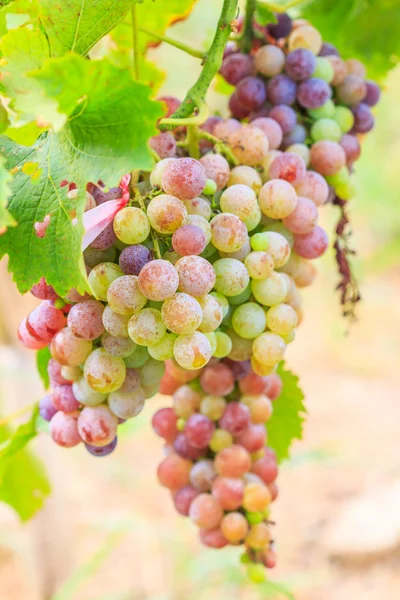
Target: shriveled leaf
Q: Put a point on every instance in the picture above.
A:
(110, 120)
(286, 423)
(78, 25)
(364, 29)
(42, 360)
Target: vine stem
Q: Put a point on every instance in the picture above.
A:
(219, 146)
(212, 62)
(247, 36)
(281, 8)
(19, 413)
(135, 43)
(180, 45)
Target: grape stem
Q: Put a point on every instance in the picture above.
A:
(19, 413)
(192, 139)
(195, 97)
(198, 119)
(220, 147)
(180, 45)
(140, 201)
(247, 37)
(135, 43)
(280, 8)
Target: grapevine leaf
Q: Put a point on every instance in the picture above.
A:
(158, 15)
(352, 25)
(20, 438)
(286, 422)
(114, 107)
(23, 481)
(16, 13)
(6, 219)
(264, 15)
(42, 360)
(78, 25)
(24, 50)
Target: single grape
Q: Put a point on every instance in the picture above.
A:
(163, 144)
(205, 511)
(275, 243)
(281, 319)
(352, 148)
(69, 350)
(196, 275)
(115, 324)
(289, 167)
(233, 461)
(173, 472)
(54, 370)
(199, 206)
(64, 429)
(300, 64)
(131, 225)
(306, 275)
(117, 346)
(106, 239)
(275, 386)
(285, 116)
(235, 67)
(266, 467)
(327, 157)
(212, 313)
(192, 351)
(236, 418)
(352, 91)
(239, 200)
(324, 69)
(249, 320)
(45, 321)
(269, 60)
(181, 314)
(304, 217)
(127, 405)
(47, 409)
(226, 128)
(158, 171)
(373, 94)
(124, 296)
(234, 527)
(184, 178)
(186, 401)
(260, 408)
(172, 104)
(251, 92)
(312, 245)
(313, 93)
(101, 277)
(224, 345)
(326, 129)
(104, 372)
(281, 28)
(344, 118)
(257, 497)
(94, 257)
(269, 349)
(146, 327)
(232, 277)
(85, 319)
(64, 399)
(217, 379)
(363, 118)
(249, 145)
(97, 425)
(328, 49)
(241, 347)
(183, 498)
(272, 130)
(43, 291)
(305, 36)
(102, 450)
(281, 90)
(202, 475)
(158, 280)
(228, 232)
(29, 340)
(259, 537)
(199, 430)
(133, 258)
(164, 349)
(314, 187)
(213, 407)
(277, 197)
(259, 265)
(339, 69)
(326, 111)
(85, 394)
(220, 440)
(212, 538)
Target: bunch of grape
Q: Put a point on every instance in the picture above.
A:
(218, 467)
(304, 97)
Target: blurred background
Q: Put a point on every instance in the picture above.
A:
(109, 532)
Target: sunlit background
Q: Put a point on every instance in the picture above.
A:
(109, 532)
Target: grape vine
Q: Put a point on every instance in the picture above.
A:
(168, 245)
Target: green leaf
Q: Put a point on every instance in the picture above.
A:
(23, 481)
(15, 13)
(287, 419)
(78, 25)
(6, 220)
(364, 29)
(264, 15)
(42, 360)
(111, 118)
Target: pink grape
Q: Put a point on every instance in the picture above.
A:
(351, 147)
(274, 386)
(228, 232)
(158, 280)
(217, 380)
(285, 116)
(266, 467)
(183, 498)
(314, 187)
(228, 491)
(164, 144)
(289, 167)
(216, 168)
(253, 384)
(64, 399)
(272, 130)
(47, 410)
(45, 321)
(97, 425)
(166, 213)
(236, 418)
(304, 217)
(311, 245)
(253, 438)
(164, 424)
(212, 538)
(352, 91)
(173, 472)
(69, 350)
(43, 291)
(189, 240)
(183, 447)
(199, 430)
(196, 275)
(28, 338)
(85, 319)
(64, 429)
(205, 511)
(54, 372)
(184, 178)
(106, 239)
(186, 401)
(133, 258)
(202, 475)
(234, 461)
(327, 157)
(225, 129)
(181, 314)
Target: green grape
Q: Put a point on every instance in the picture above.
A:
(324, 69)
(117, 346)
(232, 277)
(282, 319)
(241, 347)
(137, 359)
(131, 225)
(326, 111)
(275, 244)
(344, 118)
(165, 348)
(279, 227)
(104, 373)
(222, 301)
(192, 351)
(260, 265)
(256, 573)
(277, 199)
(85, 394)
(213, 341)
(270, 291)
(224, 344)
(239, 200)
(71, 373)
(124, 296)
(198, 206)
(241, 298)
(210, 188)
(301, 150)
(93, 256)
(249, 320)
(326, 129)
(269, 349)
(166, 214)
(246, 176)
(212, 313)
(220, 440)
(101, 277)
(146, 328)
(114, 323)
(151, 373)
(228, 232)
(254, 219)
(340, 178)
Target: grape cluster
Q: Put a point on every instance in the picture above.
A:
(217, 465)
(306, 99)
